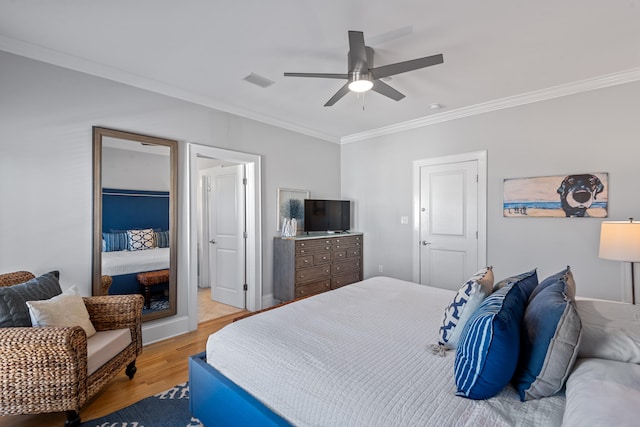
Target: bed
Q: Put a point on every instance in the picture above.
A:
(358, 355)
(124, 210)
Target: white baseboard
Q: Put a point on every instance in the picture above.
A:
(161, 329)
(269, 301)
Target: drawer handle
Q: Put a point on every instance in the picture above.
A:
(326, 285)
(301, 291)
(302, 276)
(301, 244)
(337, 268)
(327, 248)
(324, 258)
(306, 261)
(302, 251)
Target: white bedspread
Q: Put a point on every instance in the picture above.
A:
(359, 356)
(125, 262)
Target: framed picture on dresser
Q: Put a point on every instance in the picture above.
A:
(290, 204)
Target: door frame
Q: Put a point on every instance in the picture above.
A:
(253, 173)
(481, 158)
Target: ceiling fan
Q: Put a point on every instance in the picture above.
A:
(361, 74)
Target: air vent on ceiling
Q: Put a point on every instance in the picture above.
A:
(258, 80)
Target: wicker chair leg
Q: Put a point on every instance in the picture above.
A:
(73, 419)
(131, 370)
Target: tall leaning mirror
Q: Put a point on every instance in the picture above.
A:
(134, 218)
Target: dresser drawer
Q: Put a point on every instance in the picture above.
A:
(338, 255)
(313, 273)
(303, 261)
(344, 279)
(321, 258)
(353, 252)
(345, 266)
(312, 247)
(347, 242)
(313, 288)
(310, 260)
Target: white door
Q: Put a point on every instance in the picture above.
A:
(448, 223)
(226, 225)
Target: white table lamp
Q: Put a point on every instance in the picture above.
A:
(620, 241)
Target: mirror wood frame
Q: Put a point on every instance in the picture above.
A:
(98, 134)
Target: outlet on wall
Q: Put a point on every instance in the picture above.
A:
(380, 268)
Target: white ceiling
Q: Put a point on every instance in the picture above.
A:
(497, 53)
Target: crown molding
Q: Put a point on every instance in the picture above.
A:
(75, 63)
(586, 85)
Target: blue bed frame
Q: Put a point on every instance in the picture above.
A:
(217, 401)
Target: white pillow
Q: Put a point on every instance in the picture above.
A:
(61, 310)
(602, 393)
(610, 330)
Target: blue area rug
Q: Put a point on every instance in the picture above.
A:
(167, 409)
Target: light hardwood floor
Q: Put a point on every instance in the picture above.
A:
(160, 366)
(209, 309)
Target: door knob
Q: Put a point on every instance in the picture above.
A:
(213, 242)
(425, 243)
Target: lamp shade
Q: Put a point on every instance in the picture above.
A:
(620, 241)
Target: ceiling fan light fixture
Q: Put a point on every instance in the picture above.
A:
(360, 85)
(360, 81)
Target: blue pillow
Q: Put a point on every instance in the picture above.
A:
(13, 299)
(550, 338)
(487, 354)
(550, 281)
(116, 241)
(162, 239)
(464, 303)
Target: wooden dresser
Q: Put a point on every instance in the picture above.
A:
(308, 265)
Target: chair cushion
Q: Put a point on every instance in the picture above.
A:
(487, 354)
(61, 310)
(105, 345)
(13, 299)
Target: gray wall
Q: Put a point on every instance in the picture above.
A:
(596, 131)
(46, 117)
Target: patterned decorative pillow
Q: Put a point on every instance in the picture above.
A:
(466, 301)
(141, 239)
(13, 299)
(115, 241)
(550, 338)
(162, 239)
(487, 354)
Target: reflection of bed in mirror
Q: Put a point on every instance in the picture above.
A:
(123, 213)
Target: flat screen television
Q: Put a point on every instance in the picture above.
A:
(327, 215)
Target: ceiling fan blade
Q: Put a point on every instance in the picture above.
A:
(386, 90)
(319, 75)
(357, 52)
(339, 94)
(403, 67)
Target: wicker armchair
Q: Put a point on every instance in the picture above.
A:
(44, 369)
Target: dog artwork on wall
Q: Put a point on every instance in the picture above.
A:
(572, 196)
